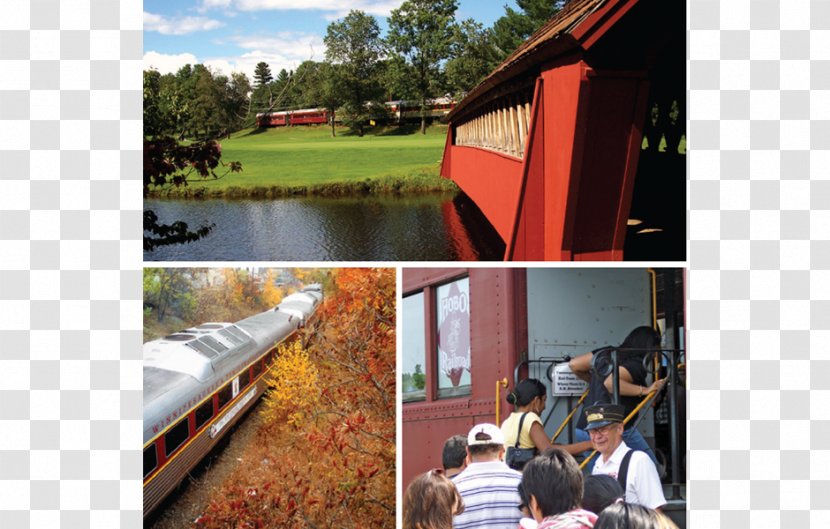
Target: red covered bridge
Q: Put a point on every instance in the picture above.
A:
(550, 146)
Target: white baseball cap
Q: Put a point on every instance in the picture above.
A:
(485, 434)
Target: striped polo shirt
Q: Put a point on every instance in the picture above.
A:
(491, 496)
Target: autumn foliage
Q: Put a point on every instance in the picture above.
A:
(325, 456)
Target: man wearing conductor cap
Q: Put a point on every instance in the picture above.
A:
(632, 468)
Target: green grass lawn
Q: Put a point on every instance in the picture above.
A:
(307, 159)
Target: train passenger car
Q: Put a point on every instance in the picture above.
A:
(308, 116)
(200, 381)
(469, 335)
(272, 119)
(401, 110)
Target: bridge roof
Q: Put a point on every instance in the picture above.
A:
(578, 25)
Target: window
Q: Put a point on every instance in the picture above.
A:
(244, 379)
(225, 396)
(414, 348)
(257, 368)
(452, 318)
(176, 436)
(204, 413)
(150, 460)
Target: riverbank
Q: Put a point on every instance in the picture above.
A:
(302, 161)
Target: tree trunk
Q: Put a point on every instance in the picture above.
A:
(333, 133)
(423, 124)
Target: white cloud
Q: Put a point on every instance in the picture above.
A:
(336, 8)
(167, 63)
(180, 25)
(285, 50)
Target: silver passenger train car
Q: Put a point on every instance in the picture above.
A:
(198, 382)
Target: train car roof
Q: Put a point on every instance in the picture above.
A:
(268, 327)
(302, 297)
(157, 382)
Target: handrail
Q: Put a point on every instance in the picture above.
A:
(568, 418)
(499, 383)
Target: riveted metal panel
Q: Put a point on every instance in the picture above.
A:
(573, 311)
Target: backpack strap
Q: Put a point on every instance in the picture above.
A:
(519, 435)
(622, 476)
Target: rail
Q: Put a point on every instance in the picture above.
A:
(502, 126)
(672, 361)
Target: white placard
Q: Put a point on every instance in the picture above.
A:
(566, 383)
(216, 427)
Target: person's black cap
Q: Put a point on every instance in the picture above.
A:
(600, 415)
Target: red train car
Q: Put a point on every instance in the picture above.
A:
(469, 335)
(289, 118)
(309, 116)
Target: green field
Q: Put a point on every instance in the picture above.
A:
(299, 160)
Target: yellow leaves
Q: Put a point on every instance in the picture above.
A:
(271, 293)
(294, 383)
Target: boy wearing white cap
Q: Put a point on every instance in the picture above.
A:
(488, 486)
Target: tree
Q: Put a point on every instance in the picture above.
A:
(168, 164)
(235, 102)
(422, 32)
(166, 289)
(319, 85)
(356, 45)
(262, 74)
(156, 121)
(395, 75)
(474, 55)
(516, 26)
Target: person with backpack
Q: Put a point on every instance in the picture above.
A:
(632, 468)
(524, 434)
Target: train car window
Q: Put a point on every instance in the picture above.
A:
(244, 379)
(257, 368)
(150, 460)
(204, 413)
(202, 349)
(414, 348)
(225, 396)
(176, 436)
(214, 344)
(231, 337)
(452, 318)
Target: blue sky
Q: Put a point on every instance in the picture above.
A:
(234, 35)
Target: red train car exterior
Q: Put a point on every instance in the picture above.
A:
(465, 332)
(500, 330)
(289, 118)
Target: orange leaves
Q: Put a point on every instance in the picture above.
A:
(329, 432)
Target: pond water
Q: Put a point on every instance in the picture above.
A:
(423, 228)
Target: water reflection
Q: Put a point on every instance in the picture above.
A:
(431, 228)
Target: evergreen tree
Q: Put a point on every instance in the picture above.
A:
(262, 74)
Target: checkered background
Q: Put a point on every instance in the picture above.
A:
(759, 289)
(70, 263)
